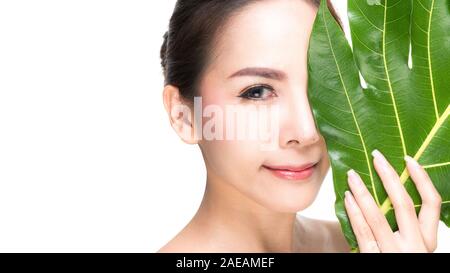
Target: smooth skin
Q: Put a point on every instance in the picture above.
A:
(245, 208)
(373, 233)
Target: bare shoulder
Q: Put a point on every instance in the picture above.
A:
(191, 240)
(172, 247)
(181, 243)
(320, 235)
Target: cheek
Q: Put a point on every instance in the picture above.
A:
(229, 157)
(249, 125)
(232, 160)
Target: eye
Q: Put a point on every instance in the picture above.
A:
(260, 92)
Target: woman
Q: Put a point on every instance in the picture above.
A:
(253, 53)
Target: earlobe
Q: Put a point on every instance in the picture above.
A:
(180, 114)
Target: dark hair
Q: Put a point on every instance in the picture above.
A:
(192, 30)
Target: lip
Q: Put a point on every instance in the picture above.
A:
(291, 172)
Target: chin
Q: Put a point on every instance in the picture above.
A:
(293, 206)
(287, 196)
(290, 202)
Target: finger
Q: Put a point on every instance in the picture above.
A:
(376, 220)
(363, 233)
(431, 202)
(405, 213)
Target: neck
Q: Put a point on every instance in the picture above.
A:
(237, 222)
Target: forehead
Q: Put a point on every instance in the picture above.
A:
(272, 33)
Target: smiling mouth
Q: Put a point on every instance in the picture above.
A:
(292, 172)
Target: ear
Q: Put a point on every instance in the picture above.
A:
(180, 114)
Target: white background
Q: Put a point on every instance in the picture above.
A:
(88, 161)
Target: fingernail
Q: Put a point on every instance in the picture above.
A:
(349, 198)
(353, 178)
(377, 154)
(411, 160)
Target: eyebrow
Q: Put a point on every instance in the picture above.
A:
(263, 72)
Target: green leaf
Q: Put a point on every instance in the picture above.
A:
(402, 110)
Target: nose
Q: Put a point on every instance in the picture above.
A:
(297, 125)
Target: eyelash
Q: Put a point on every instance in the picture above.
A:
(245, 94)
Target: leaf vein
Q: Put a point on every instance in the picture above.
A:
(351, 108)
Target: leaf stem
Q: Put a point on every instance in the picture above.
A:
(387, 204)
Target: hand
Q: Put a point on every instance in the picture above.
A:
(373, 233)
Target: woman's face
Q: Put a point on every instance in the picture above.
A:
(260, 63)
